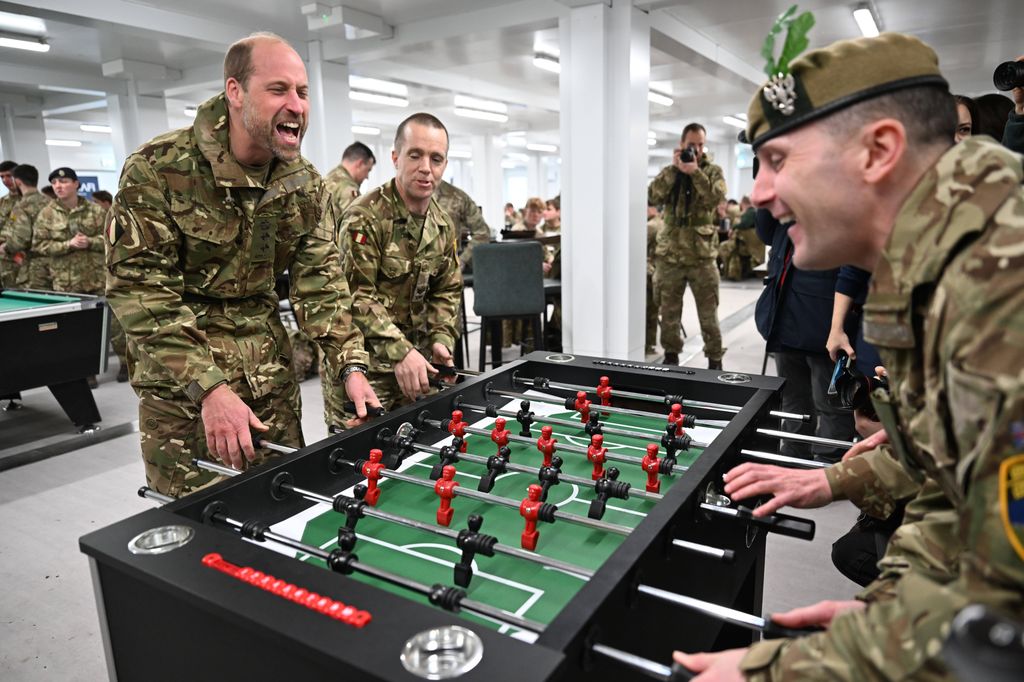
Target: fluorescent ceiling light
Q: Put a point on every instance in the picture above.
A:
(734, 122)
(652, 135)
(659, 98)
(365, 130)
(459, 154)
(191, 111)
(73, 91)
(510, 164)
(517, 156)
(547, 62)
(481, 115)
(538, 147)
(865, 19)
(377, 85)
(19, 23)
(94, 128)
(374, 98)
(63, 143)
(19, 42)
(516, 133)
(651, 142)
(465, 102)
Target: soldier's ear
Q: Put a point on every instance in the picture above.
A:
(234, 92)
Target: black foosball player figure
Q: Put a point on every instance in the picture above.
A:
(597, 453)
(372, 471)
(652, 466)
(582, 405)
(546, 444)
(525, 418)
(529, 509)
(445, 489)
(499, 434)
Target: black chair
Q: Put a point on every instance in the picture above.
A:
(508, 284)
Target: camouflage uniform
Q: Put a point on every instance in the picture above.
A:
(193, 249)
(946, 311)
(654, 226)
(118, 339)
(8, 265)
(744, 252)
(18, 235)
(686, 252)
(342, 187)
(406, 285)
(65, 268)
(466, 216)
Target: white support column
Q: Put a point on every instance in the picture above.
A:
(23, 139)
(135, 119)
(534, 181)
(487, 177)
(605, 58)
(330, 115)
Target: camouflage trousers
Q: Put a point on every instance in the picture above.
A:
(249, 344)
(40, 274)
(735, 266)
(651, 330)
(670, 280)
(10, 272)
(118, 340)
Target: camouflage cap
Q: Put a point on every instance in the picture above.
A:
(824, 81)
(63, 172)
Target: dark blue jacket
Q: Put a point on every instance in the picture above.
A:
(795, 315)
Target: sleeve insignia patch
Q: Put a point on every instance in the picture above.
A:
(1011, 501)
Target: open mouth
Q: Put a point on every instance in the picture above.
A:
(289, 131)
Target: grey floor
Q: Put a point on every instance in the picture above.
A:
(48, 623)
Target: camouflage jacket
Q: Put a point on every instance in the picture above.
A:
(946, 311)
(7, 204)
(654, 226)
(690, 235)
(193, 248)
(405, 279)
(342, 188)
(73, 269)
(875, 481)
(21, 222)
(465, 215)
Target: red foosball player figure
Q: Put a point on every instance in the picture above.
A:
(604, 391)
(529, 510)
(546, 444)
(499, 434)
(457, 427)
(372, 471)
(445, 489)
(597, 454)
(582, 406)
(651, 465)
(676, 417)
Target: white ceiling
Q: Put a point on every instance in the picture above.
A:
(479, 47)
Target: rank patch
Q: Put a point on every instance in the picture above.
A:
(1011, 501)
(359, 237)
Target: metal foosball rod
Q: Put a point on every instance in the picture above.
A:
(802, 438)
(783, 524)
(795, 462)
(371, 512)
(344, 561)
(541, 383)
(653, 669)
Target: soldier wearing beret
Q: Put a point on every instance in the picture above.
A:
(16, 238)
(690, 190)
(204, 220)
(940, 226)
(403, 269)
(69, 237)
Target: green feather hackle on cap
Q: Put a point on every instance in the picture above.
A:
(797, 28)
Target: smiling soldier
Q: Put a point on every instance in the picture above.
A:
(204, 220)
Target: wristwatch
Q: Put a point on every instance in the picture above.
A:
(350, 369)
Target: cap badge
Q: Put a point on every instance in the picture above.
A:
(780, 91)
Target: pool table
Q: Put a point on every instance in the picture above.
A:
(55, 340)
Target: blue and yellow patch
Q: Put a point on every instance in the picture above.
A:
(1011, 501)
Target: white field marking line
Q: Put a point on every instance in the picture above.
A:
(571, 498)
(611, 506)
(585, 443)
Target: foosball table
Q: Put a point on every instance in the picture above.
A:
(556, 518)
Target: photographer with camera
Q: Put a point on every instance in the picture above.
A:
(690, 190)
(1010, 76)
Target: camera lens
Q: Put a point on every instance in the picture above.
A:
(1009, 75)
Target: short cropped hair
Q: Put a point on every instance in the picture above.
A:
(26, 174)
(927, 112)
(423, 119)
(103, 195)
(555, 202)
(693, 128)
(993, 110)
(536, 203)
(8, 166)
(238, 60)
(357, 151)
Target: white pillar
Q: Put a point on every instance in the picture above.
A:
(330, 112)
(135, 120)
(487, 177)
(24, 140)
(605, 58)
(534, 183)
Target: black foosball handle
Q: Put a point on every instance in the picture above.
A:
(783, 524)
(371, 411)
(680, 673)
(772, 630)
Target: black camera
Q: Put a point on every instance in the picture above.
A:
(850, 389)
(688, 155)
(1009, 75)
